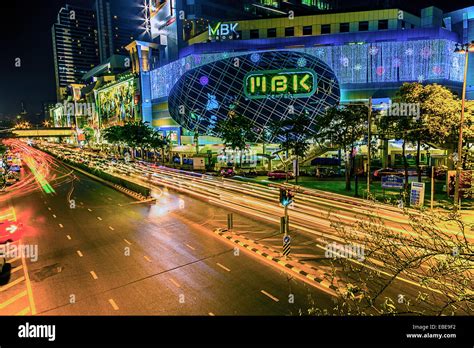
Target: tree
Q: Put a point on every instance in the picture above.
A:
(156, 141)
(136, 135)
(114, 135)
(435, 264)
(343, 126)
(293, 134)
(236, 132)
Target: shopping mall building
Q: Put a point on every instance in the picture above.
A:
(267, 69)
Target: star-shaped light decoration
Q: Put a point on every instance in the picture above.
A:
(373, 50)
(409, 52)
(421, 78)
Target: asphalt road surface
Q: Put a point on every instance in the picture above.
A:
(109, 254)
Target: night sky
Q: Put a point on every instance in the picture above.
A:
(26, 34)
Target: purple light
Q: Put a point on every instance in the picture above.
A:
(204, 80)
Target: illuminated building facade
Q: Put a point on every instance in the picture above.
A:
(370, 54)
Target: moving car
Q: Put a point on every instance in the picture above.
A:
(10, 232)
(280, 174)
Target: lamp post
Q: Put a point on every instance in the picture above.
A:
(464, 49)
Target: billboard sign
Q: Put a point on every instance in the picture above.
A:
(392, 182)
(287, 83)
(417, 194)
(466, 184)
(223, 31)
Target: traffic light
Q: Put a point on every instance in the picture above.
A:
(282, 196)
(286, 197)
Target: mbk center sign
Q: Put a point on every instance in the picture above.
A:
(223, 31)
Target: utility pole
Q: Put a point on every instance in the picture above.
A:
(461, 124)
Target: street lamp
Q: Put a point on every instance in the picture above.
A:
(463, 49)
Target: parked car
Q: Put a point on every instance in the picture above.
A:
(280, 174)
(377, 175)
(227, 172)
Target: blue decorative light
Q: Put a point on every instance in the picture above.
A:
(301, 62)
(255, 57)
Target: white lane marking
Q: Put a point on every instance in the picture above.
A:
(111, 228)
(68, 237)
(211, 314)
(61, 225)
(147, 258)
(99, 218)
(269, 295)
(49, 208)
(81, 203)
(190, 247)
(113, 304)
(175, 282)
(89, 209)
(223, 267)
(94, 275)
(54, 216)
(79, 253)
(126, 241)
(109, 198)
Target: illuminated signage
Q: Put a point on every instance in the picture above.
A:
(223, 31)
(292, 83)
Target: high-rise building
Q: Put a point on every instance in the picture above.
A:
(75, 46)
(117, 26)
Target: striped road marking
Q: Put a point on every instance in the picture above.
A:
(111, 228)
(190, 247)
(94, 275)
(270, 295)
(79, 253)
(113, 304)
(175, 282)
(223, 267)
(126, 241)
(147, 258)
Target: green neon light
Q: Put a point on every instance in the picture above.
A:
(290, 83)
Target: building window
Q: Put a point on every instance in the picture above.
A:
(326, 29)
(271, 32)
(308, 30)
(344, 27)
(364, 26)
(290, 31)
(383, 24)
(254, 34)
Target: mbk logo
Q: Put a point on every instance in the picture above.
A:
(223, 29)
